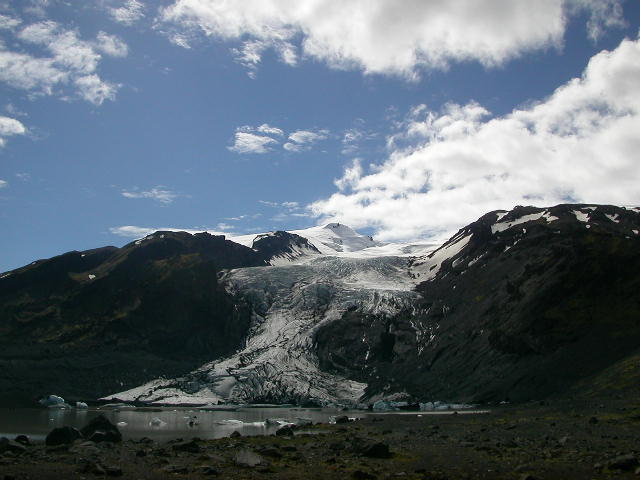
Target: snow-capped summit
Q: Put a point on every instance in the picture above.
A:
(336, 237)
(329, 239)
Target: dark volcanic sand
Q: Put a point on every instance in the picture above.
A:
(557, 441)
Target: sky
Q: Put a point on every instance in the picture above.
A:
(404, 120)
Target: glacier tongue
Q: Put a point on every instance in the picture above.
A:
(289, 303)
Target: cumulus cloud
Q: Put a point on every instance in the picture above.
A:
(447, 168)
(387, 36)
(129, 13)
(72, 61)
(111, 45)
(159, 194)
(9, 127)
(3, 183)
(302, 140)
(268, 129)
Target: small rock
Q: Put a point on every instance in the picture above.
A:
(62, 436)
(593, 420)
(23, 439)
(623, 462)
(377, 450)
(113, 471)
(247, 458)
(208, 470)
(175, 469)
(527, 476)
(235, 434)
(270, 452)
(191, 446)
(360, 475)
(285, 431)
(342, 419)
(141, 453)
(93, 467)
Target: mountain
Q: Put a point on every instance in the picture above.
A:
(520, 305)
(88, 323)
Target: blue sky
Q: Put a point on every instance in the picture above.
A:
(402, 119)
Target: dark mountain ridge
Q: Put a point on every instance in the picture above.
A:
(520, 313)
(520, 305)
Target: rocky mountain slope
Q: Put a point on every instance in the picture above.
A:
(88, 323)
(519, 305)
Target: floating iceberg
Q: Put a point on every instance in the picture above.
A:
(157, 422)
(52, 401)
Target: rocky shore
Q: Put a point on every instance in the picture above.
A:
(526, 442)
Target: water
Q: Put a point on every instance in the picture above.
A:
(140, 422)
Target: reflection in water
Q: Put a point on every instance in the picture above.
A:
(162, 424)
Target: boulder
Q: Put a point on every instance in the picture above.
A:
(376, 450)
(62, 436)
(190, 446)
(23, 439)
(623, 462)
(285, 431)
(7, 445)
(100, 429)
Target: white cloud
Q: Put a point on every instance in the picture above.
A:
(37, 8)
(302, 140)
(387, 36)
(133, 231)
(111, 45)
(243, 217)
(3, 183)
(68, 50)
(246, 142)
(8, 23)
(9, 127)
(268, 129)
(603, 15)
(159, 194)
(73, 61)
(578, 145)
(29, 73)
(11, 109)
(94, 90)
(129, 13)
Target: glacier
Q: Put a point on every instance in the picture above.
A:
(290, 301)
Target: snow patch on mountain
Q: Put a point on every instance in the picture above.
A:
(502, 226)
(427, 267)
(581, 216)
